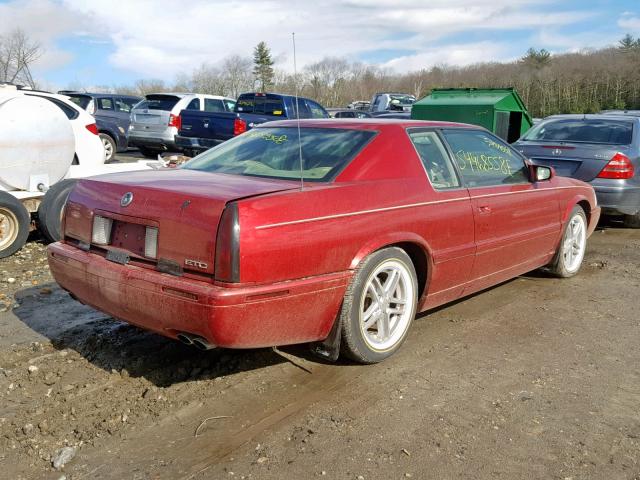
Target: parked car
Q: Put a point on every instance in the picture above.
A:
(200, 131)
(89, 150)
(255, 243)
(360, 105)
(155, 121)
(113, 116)
(603, 150)
(391, 102)
(349, 113)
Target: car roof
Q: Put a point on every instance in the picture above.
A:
(100, 95)
(592, 116)
(355, 123)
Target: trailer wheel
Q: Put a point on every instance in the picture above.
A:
(52, 207)
(14, 225)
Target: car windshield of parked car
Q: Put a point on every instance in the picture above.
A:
(158, 102)
(583, 130)
(275, 153)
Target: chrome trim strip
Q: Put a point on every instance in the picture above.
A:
(400, 207)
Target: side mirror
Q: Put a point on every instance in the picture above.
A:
(542, 173)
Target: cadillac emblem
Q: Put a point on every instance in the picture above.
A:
(556, 152)
(126, 199)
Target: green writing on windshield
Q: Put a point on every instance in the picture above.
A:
(269, 137)
(482, 163)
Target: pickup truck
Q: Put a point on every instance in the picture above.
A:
(200, 131)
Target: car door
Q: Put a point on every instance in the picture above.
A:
(517, 221)
(448, 223)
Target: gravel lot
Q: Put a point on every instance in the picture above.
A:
(536, 378)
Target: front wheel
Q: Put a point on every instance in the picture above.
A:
(570, 253)
(379, 306)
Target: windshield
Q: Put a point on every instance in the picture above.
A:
(81, 100)
(158, 102)
(585, 130)
(274, 153)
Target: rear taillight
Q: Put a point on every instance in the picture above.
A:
(93, 128)
(239, 126)
(227, 261)
(101, 233)
(619, 167)
(175, 121)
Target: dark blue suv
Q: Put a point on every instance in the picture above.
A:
(113, 115)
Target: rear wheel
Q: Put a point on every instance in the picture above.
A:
(632, 221)
(109, 145)
(52, 207)
(149, 152)
(379, 306)
(570, 253)
(14, 225)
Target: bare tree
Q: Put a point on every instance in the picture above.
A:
(17, 54)
(237, 75)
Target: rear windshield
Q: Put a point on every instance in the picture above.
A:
(158, 102)
(261, 105)
(274, 153)
(81, 100)
(587, 130)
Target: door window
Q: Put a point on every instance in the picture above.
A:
(212, 105)
(316, 110)
(485, 160)
(123, 105)
(435, 159)
(194, 104)
(105, 104)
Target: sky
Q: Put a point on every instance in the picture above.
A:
(115, 42)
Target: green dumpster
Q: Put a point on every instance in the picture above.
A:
(500, 110)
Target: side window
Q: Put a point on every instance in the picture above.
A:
(194, 104)
(302, 106)
(229, 105)
(122, 105)
(105, 104)
(485, 160)
(212, 105)
(316, 110)
(435, 159)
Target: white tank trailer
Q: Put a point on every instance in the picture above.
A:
(36, 173)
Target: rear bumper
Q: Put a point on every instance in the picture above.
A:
(199, 144)
(618, 200)
(284, 313)
(150, 140)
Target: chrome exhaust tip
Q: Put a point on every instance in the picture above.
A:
(202, 344)
(184, 338)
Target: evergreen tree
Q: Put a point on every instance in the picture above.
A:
(263, 66)
(627, 43)
(537, 58)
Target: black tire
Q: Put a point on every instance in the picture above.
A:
(149, 152)
(15, 221)
(354, 343)
(559, 266)
(51, 209)
(632, 221)
(109, 146)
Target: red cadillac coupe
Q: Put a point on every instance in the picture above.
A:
(329, 231)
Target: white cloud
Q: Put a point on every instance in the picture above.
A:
(162, 38)
(43, 21)
(629, 22)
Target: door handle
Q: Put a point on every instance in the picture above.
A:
(484, 209)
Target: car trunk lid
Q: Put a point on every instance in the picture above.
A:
(184, 206)
(577, 160)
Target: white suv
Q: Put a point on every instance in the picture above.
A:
(155, 121)
(89, 150)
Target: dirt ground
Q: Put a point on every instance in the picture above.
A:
(538, 378)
